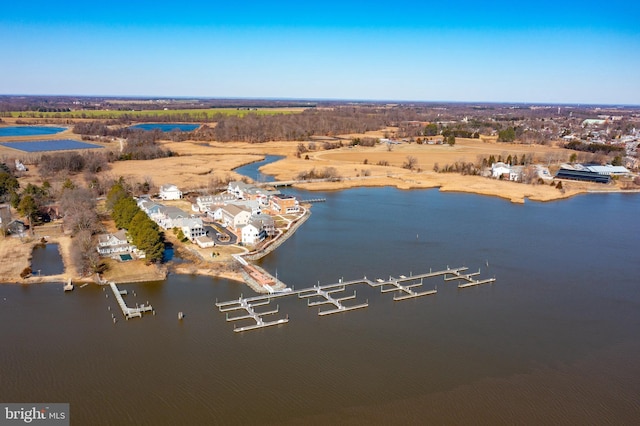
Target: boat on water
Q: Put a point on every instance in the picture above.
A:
(68, 286)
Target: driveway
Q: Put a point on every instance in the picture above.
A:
(214, 230)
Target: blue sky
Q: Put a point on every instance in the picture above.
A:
(543, 52)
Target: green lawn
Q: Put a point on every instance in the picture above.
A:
(174, 114)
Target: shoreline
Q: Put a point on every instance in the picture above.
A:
(23, 249)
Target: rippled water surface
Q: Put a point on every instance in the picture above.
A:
(554, 340)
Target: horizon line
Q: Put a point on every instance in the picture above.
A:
(312, 99)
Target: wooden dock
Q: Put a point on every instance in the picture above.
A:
(404, 288)
(127, 311)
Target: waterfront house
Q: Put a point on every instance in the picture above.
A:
(192, 228)
(247, 191)
(284, 204)
(251, 235)
(238, 189)
(264, 222)
(169, 217)
(170, 192)
(504, 171)
(113, 244)
(209, 202)
(254, 206)
(234, 216)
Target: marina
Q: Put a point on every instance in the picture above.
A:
(318, 295)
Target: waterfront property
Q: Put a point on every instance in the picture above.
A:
(583, 175)
(114, 244)
(209, 202)
(504, 171)
(284, 204)
(192, 228)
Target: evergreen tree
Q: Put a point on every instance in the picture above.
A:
(124, 211)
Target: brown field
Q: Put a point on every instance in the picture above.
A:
(16, 256)
(198, 164)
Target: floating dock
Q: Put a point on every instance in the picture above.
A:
(404, 288)
(470, 281)
(127, 311)
(242, 304)
(319, 292)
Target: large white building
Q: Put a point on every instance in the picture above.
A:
(170, 192)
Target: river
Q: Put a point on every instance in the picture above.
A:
(553, 340)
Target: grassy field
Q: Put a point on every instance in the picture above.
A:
(177, 114)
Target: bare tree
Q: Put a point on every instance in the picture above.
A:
(411, 163)
(79, 208)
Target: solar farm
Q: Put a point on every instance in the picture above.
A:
(49, 145)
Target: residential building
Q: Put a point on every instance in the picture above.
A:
(504, 171)
(192, 228)
(284, 204)
(264, 222)
(169, 217)
(210, 202)
(234, 216)
(251, 235)
(170, 192)
(110, 244)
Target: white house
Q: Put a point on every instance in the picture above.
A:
(169, 217)
(264, 222)
(505, 171)
(252, 235)
(234, 216)
(170, 192)
(192, 228)
(208, 201)
(110, 244)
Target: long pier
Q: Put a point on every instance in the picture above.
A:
(127, 311)
(403, 287)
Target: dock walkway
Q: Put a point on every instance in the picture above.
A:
(127, 311)
(404, 288)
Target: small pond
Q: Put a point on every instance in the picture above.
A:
(30, 130)
(46, 260)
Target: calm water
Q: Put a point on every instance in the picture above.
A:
(252, 170)
(553, 341)
(30, 130)
(166, 127)
(51, 145)
(46, 260)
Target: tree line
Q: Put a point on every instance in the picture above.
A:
(144, 232)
